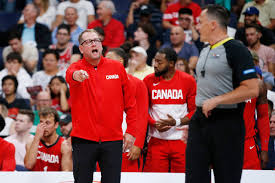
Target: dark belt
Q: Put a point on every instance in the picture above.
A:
(220, 111)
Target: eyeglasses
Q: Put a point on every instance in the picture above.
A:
(89, 42)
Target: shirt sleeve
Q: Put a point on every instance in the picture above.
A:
(191, 105)
(130, 106)
(90, 8)
(142, 110)
(119, 37)
(194, 51)
(69, 75)
(270, 55)
(167, 16)
(263, 125)
(61, 9)
(8, 163)
(151, 121)
(240, 60)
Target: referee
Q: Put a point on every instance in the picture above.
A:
(225, 79)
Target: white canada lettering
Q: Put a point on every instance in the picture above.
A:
(115, 76)
(167, 94)
(51, 158)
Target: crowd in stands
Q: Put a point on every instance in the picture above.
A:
(41, 40)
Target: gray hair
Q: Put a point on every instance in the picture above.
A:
(36, 9)
(109, 5)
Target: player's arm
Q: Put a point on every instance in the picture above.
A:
(32, 147)
(142, 111)
(191, 105)
(31, 153)
(66, 151)
(263, 122)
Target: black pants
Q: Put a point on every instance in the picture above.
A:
(85, 155)
(216, 141)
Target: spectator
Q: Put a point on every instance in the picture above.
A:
(70, 18)
(113, 29)
(170, 17)
(182, 65)
(43, 100)
(142, 12)
(46, 13)
(139, 9)
(142, 36)
(68, 52)
(7, 152)
(60, 94)
(184, 50)
(14, 104)
(65, 124)
(251, 16)
(186, 21)
(48, 143)
(85, 9)
(165, 3)
(266, 54)
(271, 146)
(31, 31)
(13, 66)
(23, 124)
(28, 53)
(270, 108)
(266, 13)
(132, 160)
(50, 65)
(171, 104)
(9, 129)
(137, 64)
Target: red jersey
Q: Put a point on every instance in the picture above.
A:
(171, 14)
(99, 101)
(262, 122)
(141, 96)
(65, 56)
(114, 32)
(175, 97)
(7, 156)
(57, 106)
(49, 157)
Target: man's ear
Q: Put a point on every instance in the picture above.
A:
(81, 49)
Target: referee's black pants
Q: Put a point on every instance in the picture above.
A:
(216, 141)
(85, 155)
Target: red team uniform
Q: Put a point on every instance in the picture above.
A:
(7, 156)
(142, 113)
(49, 157)
(175, 97)
(251, 157)
(172, 12)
